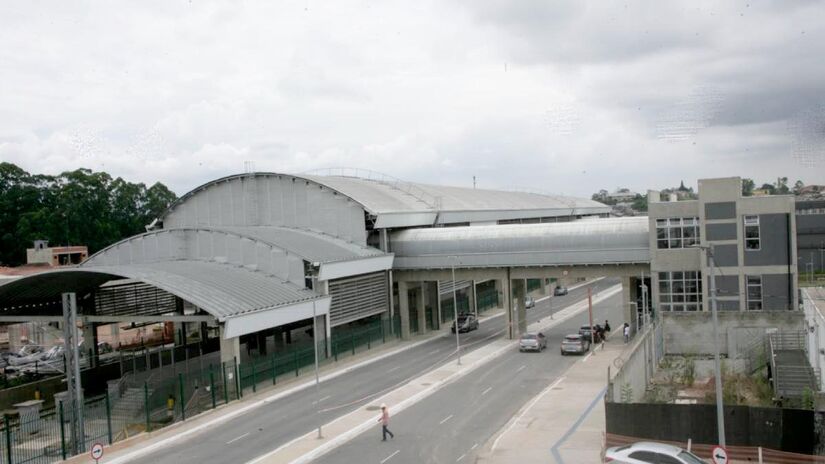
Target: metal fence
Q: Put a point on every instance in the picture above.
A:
(167, 392)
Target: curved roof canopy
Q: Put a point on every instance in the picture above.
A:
(592, 241)
(396, 203)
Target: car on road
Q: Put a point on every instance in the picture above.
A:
(529, 302)
(532, 341)
(574, 343)
(560, 290)
(466, 323)
(650, 453)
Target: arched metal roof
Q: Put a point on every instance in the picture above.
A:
(397, 203)
(592, 241)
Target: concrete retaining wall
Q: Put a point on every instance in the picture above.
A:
(636, 368)
(692, 333)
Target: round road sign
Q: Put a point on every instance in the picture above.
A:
(719, 455)
(97, 451)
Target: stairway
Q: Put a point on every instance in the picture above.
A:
(792, 371)
(130, 404)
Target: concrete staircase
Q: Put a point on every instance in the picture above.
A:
(130, 404)
(792, 371)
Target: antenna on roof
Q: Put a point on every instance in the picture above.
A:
(474, 181)
(248, 167)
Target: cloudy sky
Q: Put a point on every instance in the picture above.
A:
(565, 97)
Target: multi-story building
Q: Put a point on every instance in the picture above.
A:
(753, 241)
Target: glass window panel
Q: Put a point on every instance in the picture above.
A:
(664, 298)
(676, 243)
(752, 232)
(678, 275)
(678, 307)
(754, 280)
(690, 275)
(661, 233)
(678, 298)
(675, 221)
(752, 244)
(661, 222)
(664, 286)
(663, 244)
(676, 232)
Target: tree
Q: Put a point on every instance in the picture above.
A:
(747, 187)
(781, 186)
(79, 207)
(639, 203)
(797, 187)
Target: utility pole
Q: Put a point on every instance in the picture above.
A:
(474, 181)
(74, 387)
(317, 380)
(590, 311)
(645, 313)
(455, 312)
(720, 414)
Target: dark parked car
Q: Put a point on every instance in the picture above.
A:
(586, 332)
(574, 343)
(532, 341)
(560, 290)
(466, 323)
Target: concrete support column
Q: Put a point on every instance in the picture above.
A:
(404, 309)
(323, 286)
(421, 308)
(89, 346)
(629, 302)
(472, 295)
(438, 304)
(507, 300)
(230, 348)
(320, 338)
(519, 293)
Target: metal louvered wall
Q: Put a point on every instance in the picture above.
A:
(133, 299)
(446, 286)
(357, 297)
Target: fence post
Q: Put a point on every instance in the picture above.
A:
(272, 361)
(7, 426)
(212, 386)
(62, 430)
(335, 350)
(352, 342)
(690, 442)
(369, 340)
(182, 398)
(238, 391)
(146, 405)
(225, 386)
(108, 417)
(760, 455)
(383, 334)
(254, 379)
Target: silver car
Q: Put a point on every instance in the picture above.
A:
(574, 343)
(650, 453)
(532, 341)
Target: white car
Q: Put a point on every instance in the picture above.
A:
(529, 302)
(650, 453)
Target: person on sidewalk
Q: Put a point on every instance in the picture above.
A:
(626, 332)
(385, 422)
(606, 327)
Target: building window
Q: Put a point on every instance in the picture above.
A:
(677, 232)
(680, 291)
(752, 233)
(754, 292)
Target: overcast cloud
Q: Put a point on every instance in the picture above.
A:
(565, 97)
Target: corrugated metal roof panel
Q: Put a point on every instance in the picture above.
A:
(313, 246)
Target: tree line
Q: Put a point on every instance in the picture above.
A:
(79, 207)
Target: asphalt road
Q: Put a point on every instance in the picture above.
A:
(263, 429)
(450, 425)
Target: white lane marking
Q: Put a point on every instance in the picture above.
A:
(460, 457)
(574, 309)
(524, 411)
(486, 391)
(521, 368)
(588, 355)
(474, 446)
(394, 369)
(434, 351)
(237, 438)
(390, 456)
(322, 399)
(445, 419)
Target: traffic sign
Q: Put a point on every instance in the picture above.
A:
(97, 451)
(719, 455)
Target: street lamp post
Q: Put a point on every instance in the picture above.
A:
(720, 416)
(317, 379)
(455, 312)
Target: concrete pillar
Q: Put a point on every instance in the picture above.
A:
(421, 308)
(230, 348)
(519, 293)
(438, 304)
(328, 335)
(472, 295)
(89, 346)
(629, 302)
(506, 301)
(404, 309)
(543, 286)
(320, 337)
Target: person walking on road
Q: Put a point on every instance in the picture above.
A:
(626, 332)
(385, 422)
